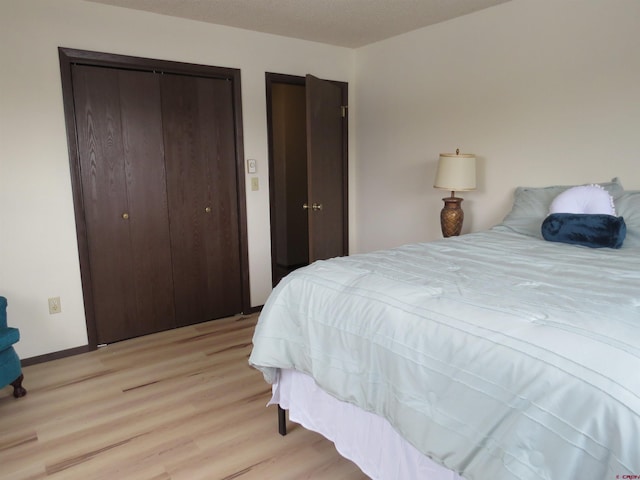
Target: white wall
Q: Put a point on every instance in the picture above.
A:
(38, 248)
(542, 91)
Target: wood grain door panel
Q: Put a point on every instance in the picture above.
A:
(121, 164)
(200, 157)
(326, 169)
(147, 195)
(222, 224)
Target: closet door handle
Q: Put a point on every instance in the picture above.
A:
(207, 209)
(125, 216)
(305, 206)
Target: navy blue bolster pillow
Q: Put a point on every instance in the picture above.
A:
(590, 230)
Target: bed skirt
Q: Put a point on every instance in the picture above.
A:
(364, 438)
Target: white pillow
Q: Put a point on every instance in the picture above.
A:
(591, 199)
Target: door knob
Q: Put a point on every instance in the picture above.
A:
(317, 206)
(207, 209)
(125, 216)
(305, 206)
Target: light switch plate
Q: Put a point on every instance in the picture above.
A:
(252, 166)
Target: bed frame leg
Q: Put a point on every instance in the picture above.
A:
(282, 421)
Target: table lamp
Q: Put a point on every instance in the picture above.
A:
(456, 172)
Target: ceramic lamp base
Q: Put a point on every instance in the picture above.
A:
(451, 217)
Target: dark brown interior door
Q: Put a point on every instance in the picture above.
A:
(326, 169)
(200, 156)
(120, 148)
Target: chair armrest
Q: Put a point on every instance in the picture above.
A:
(3, 312)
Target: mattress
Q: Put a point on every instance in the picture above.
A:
(495, 354)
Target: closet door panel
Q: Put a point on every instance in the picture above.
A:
(147, 194)
(222, 248)
(201, 185)
(118, 133)
(97, 99)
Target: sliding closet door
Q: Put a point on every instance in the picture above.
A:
(200, 156)
(120, 148)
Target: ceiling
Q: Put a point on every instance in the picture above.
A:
(347, 23)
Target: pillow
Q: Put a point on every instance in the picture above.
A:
(628, 207)
(584, 199)
(590, 230)
(531, 206)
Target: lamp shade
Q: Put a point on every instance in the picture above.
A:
(456, 172)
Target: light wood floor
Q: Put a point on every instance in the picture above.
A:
(182, 404)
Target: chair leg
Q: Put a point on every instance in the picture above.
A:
(18, 390)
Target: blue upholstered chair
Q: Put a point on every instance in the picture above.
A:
(10, 370)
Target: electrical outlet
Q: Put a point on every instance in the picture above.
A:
(255, 184)
(54, 305)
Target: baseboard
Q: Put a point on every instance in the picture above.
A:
(47, 357)
(85, 348)
(253, 310)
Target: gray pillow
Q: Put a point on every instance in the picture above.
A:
(531, 206)
(628, 207)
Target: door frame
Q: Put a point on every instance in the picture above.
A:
(69, 57)
(270, 79)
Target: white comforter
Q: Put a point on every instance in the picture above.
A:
(500, 356)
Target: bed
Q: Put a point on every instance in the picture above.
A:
(494, 355)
